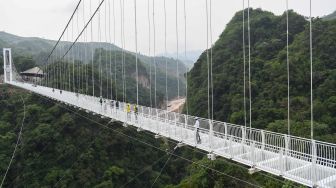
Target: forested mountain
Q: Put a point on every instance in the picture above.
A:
(37, 50)
(269, 74)
(331, 16)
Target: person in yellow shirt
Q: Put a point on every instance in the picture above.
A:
(128, 111)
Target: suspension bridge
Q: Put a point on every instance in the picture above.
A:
(306, 161)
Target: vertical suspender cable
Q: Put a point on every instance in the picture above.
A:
(106, 57)
(92, 54)
(177, 53)
(68, 63)
(110, 49)
(249, 64)
(311, 74)
(207, 49)
(73, 60)
(244, 59)
(154, 53)
(124, 52)
(115, 52)
(165, 38)
(86, 55)
(78, 60)
(288, 100)
(100, 56)
(136, 51)
(211, 64)
(149, 53)
(185, 54)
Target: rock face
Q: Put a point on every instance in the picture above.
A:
(176, 105)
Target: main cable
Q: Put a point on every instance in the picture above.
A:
(66, 27)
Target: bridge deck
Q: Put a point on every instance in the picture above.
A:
(309, 162)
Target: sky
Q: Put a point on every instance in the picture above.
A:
(47, 19)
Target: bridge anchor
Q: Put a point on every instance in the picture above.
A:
(125, 125)
(157, 136)
(253, 170)
(211, 156)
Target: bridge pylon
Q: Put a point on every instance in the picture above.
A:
(8, 66)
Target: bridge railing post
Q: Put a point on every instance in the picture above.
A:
(262, 139)
(211, 135)
(243, 141)
(175, 123)
(314, 160)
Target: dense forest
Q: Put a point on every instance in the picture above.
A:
(269, 74)
(62, 146)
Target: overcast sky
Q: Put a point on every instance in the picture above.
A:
(47, 18)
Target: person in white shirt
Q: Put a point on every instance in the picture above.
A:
(197, 126)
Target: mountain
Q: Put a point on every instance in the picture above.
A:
(37, 49)
(331, 16)
(188, 58)
(269, 75)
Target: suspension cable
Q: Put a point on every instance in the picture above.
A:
(157, 177)
(311, 72)
(136, 52)
(154, 53)
(149, 53)
(211, 63)
(177, 52)
(249, 63)
(73, 59)
(115, 51)
(110, 49)
(100, 55)
(185, 54)
(288, 92)
(66, 27)
(106, 58)
(124, 51)
(244, 59)
(92, 54)
(207, 54)
(165, 38)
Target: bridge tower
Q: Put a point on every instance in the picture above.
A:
(7, 55)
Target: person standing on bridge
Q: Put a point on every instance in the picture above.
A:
(128, 111)
(197, 126)
(136, 112)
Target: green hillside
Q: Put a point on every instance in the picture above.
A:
(269, 75)
(38, 49)
(331, 16)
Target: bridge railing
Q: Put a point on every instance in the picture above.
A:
(296, 147)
